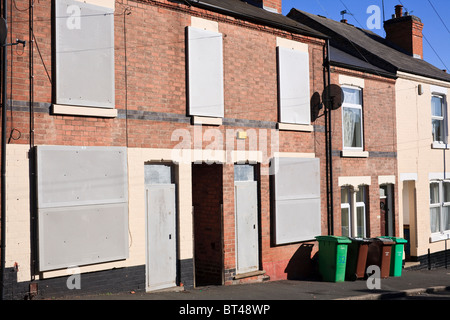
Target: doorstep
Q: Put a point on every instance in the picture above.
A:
(249, 274)
(410, 264)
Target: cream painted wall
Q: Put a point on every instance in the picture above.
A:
(416, 157)
(18, 210)
(18, 223)
(137, 157)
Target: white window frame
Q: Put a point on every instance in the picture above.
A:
(442, 118)
(361, 204)
(352, 207)
(440, 234)
(357, 107)
(348, 206)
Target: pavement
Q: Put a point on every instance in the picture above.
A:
(410, 283)
(278, 299)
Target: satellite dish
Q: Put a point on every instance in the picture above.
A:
(336, 97)
(3, 31)
(316, 105)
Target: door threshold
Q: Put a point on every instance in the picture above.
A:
(249, 274)
(169, 289)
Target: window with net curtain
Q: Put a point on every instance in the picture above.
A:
(352, 122)
(439, 206)
(437, 118)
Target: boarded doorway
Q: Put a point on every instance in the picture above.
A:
(207, 199)
(161, 226)
(246, 211)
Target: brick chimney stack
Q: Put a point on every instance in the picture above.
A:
(405, 31)
(270, 5)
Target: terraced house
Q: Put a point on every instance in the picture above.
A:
(164, 144)
(151, 145)
(421, 101)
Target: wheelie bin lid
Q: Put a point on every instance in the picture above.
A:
(337, 239)
(395, 239)
(386, 240)
(360, 240)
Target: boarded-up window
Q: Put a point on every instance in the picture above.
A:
(84, 54)
(293, 86)
(205, 72)
(296, 199)
(82, 204)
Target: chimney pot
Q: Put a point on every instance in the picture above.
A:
(344, 20)
(398, 11)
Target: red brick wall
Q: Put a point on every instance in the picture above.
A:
(207, 200)
(379, 122)
(156, 83)
(407, 34)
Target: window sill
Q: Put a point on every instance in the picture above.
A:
(209, 121)
(354, 154)
(295, 127)
(435, 237)
(439, 145)
(58, 109)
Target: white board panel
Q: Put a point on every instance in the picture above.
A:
(70, 175)
(162, 238)
(205, 72)
(297, 178)
(297, 199)
(81, 235)
(246, 202)
(82, 205)
(297, 220)
(293, 84)
(84, 54)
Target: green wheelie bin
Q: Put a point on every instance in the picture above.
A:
(332, 257)
(356, 258)
(396, 256)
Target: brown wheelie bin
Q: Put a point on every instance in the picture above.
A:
(379, 254)
(356, 258)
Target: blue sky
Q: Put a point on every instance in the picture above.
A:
(433, 13)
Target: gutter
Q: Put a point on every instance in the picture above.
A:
(243, 16)
(361, 69)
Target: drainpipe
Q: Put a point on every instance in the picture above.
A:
(328, 144)
(3, 157)
(329, 139)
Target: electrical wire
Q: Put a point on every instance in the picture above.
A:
(42, 59)
(429, 1)
(426, 39)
